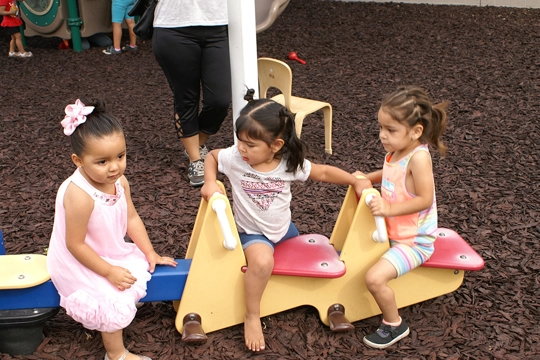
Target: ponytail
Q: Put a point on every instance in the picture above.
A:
(438, 127)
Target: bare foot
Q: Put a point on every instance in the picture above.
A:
(253, 333)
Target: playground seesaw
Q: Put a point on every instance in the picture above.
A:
(207, 286)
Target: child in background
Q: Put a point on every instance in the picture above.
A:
(260, 167)
(119, 10)
(11, 21)
(408, 123)
(100, 277)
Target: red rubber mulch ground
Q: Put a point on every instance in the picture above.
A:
(485, 60)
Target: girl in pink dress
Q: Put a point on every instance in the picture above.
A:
(100, 277)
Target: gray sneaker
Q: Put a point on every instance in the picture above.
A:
(203, 151)
(112, 51)
(387, 335)
(196, 173)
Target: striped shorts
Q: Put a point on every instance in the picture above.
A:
(404, 258)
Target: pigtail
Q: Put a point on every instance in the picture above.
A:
(433, 118)
(249, 95)
(294, 149)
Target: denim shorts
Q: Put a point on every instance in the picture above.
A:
(250, 239)
(120, 9)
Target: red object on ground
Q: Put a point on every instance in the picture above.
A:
(294, 56)
(64, 45)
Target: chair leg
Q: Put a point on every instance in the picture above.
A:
(327, 111)
(298, 122)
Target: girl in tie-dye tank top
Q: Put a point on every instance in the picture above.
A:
(408, 122)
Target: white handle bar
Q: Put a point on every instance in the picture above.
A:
(380, 235)
(229, 241)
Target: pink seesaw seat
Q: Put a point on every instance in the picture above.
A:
(309, 255)
(453, 252)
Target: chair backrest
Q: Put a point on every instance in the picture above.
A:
(274, 73)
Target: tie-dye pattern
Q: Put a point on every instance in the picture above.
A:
(412, 236)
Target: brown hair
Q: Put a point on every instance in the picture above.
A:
(97, 125)
(410, 105)
(266, 120)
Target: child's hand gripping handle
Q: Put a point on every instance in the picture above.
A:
(229, 241)
(380, 235)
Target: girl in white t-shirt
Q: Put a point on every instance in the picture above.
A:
(260, 167)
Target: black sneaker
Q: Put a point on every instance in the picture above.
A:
(196, 173)
(387, 335)
(203, 151)
(112, 51)
(129, 48)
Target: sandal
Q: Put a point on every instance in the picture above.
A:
(25, 54)
(14, 54)
(123, 357)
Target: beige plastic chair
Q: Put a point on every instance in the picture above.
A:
(277, 74)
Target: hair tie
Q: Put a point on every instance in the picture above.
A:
(75, 116)
(249, 95)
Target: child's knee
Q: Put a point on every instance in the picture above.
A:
(370, 281)
(373, 280)
(261, 266)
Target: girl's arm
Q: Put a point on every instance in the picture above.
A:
(79, 206)
(375, 177)
(210, 175)
(137, 232)
(5, 12)
(334, 175)
(419, 181)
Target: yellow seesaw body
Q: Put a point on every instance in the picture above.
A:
(215, 285)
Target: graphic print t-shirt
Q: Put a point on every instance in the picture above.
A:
(261, 200)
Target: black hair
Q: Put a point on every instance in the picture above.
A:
(97, 125)
(410, 105)
(266, 120)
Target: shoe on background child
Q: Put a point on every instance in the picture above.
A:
(119, 10)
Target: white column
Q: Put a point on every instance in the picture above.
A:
(243, 52)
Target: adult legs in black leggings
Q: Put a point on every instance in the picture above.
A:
(195, 58)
